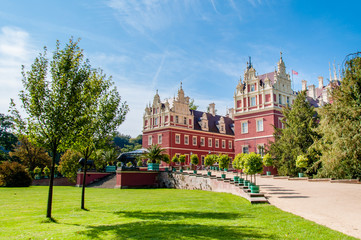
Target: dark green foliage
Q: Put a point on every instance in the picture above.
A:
(175, 159)
(7, 138)
(194, 159)
(166, 158)
(340, 127)
(126, 144)
(297, 136)
(252, 163)
(154, 153)
(13, 174)
(69, 164)
(224, 161)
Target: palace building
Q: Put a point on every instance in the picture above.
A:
(181, 131)
(258, 101)
(248, 127)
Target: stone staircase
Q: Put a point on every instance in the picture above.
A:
(107, 182)
(228, 185)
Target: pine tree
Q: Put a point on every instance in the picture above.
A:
(340, 127)
(296, 137)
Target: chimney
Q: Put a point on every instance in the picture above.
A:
(304, 85)
(320, 82)
(311, 91)
(212, 109)
(230, 113)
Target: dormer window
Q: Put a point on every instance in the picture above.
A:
(221, 126)
(204, 122)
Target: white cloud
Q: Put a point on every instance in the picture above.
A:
(15, 50)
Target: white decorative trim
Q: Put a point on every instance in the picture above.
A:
(244, 139)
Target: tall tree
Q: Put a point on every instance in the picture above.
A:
(53, 99)
(297, 135)
(7, 138)
(340, 127)
(104, 112)
(31, 155)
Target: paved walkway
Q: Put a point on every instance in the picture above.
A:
(335, 205)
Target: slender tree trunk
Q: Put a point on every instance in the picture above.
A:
(51, 183)
(83, 188)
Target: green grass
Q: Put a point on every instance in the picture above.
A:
(147, 214)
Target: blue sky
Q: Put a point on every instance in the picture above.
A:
(156, 44)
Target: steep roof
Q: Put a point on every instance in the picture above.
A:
(270, 75)
(212, 122)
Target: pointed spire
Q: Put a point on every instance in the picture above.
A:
(250, 62)
(181, 85)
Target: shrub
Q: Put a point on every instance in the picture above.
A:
(175, 159)
(253, 163)
(69, 164)
(46, 171)
(267, 160)
(182, 158)
(166, 158)
(301, 161)
(140, 163)
(129, 164)
(223, 161)
(37, 170)
(13, 174)
(119, 164)
(208, 160)
(194, 159)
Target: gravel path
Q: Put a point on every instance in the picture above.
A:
(335, 205)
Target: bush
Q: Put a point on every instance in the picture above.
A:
(224, 161)
(182, 158)
(13, 174)
(166, 158)
(208, 160)
(37, 171)
(140, 163)
(194, 159)
(175, 159)
(267, 160)
(301, 161)
(129, 164)
(46, 171)
(69, 164)
(253, 163)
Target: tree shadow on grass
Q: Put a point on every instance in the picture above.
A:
(164, 230)
(169, 216)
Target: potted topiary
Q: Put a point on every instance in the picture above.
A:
(194, 161)
(46, 172)
(208, 162)
(252, 165)
(166, 159)
(236, 163)
(175, 160)
(155, 154)
(224, 163)
(37, 172)
(129, 164)
(268, 162)
(301, 162)
(140, 163)
(182, 159)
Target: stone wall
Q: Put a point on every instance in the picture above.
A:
(200, 182)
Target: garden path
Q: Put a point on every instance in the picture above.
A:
(335, 205)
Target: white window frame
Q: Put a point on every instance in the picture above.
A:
(217, 143)
(150, 138)
(279, 99)
(258, 128)
(223, 143)
(243, 147)
(185, 121)
(253, 101)
(186, 139)
(160, 138)
(209, 142)
(203, 141)
(176, 119)
(258, 150)
(230, 144)
(244, 129)
(194, 139)
(177, 137)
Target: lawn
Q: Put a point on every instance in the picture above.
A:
(147, 214)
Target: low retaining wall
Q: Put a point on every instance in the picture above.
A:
(192, 182)
(57, 182)
(137, 179)
(90, 177)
